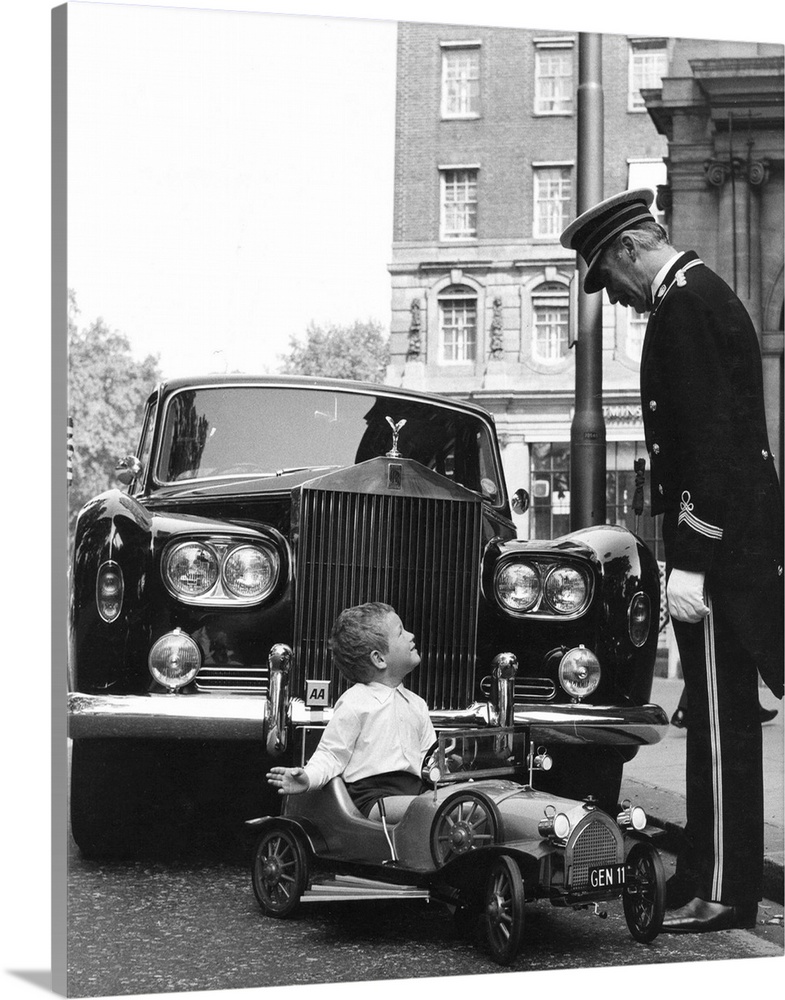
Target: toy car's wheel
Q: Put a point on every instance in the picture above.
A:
(463, 823)
(503, 910)
(644, 894)
(279, 870)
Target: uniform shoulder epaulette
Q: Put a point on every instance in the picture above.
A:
(679, 279)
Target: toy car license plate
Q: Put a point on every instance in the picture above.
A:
(607, 876)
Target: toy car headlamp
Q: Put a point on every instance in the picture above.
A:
(632, 816)
(556, 825)
(174, 660)
(579, 672)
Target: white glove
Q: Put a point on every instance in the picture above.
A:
(686, 597)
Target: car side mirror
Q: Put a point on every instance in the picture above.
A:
(128, 469)
(520, 501)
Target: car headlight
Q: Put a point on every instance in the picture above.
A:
(191, 569)
(249, 572)
(517, 586)
(174, 660)
(220, 571)
(566, 589)
(579, 672)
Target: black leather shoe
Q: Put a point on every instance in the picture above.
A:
(679, 718)
(767, 714)
(700, 915)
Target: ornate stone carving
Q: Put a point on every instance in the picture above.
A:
(497, 345)
(716, 172)
(755, 172)
(415, 325)
(758, 172)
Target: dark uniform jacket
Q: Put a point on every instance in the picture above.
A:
(712, 470)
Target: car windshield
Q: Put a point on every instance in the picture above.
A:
(242, 431)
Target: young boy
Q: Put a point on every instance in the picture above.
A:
(379, 731)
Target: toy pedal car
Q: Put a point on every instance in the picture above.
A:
(479, 842)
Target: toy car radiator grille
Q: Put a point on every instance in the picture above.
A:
(595, 842)
(418, 553)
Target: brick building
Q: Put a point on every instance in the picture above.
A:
(484, 300)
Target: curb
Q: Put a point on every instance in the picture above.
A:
(672, 838)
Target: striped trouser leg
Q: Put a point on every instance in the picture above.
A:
(724, 780)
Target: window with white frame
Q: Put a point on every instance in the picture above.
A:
(552, 199)
(461, 80)
(457, 324)
(459, 203)
(636, 328)
(551, 322)
(648, 65)
(553, 62)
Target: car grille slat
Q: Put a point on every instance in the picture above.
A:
(419, 554)
(233, 677)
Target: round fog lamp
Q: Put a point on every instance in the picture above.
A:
(174, 660)
(579, 672)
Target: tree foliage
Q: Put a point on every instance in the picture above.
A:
(107, 390)
(360, 351)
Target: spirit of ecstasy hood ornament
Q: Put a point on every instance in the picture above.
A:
(396, 429)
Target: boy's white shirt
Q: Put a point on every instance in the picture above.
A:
(374, 728)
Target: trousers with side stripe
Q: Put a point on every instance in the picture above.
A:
(723, 855)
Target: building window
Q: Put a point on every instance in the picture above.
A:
(553, 78)
(620, 493)
(636, 328)
(459, 204)
(551, 316)
(552, 200)
(550, 490)
(648, 65)
(461, 81)
(457, 325)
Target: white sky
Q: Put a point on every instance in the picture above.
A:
(230, 177)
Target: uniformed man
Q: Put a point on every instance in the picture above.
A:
(713, 480)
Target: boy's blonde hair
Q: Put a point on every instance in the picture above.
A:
(357, 632)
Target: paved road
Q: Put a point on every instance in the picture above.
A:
(154, 927)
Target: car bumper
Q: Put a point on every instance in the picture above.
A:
(237, 717)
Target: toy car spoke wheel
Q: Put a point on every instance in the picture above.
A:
(644, 893)
(279, 871)
(463, 823)
(503, 910)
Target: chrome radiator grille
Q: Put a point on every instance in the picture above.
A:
(595, 843)
(233, 678)
(420, 554)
